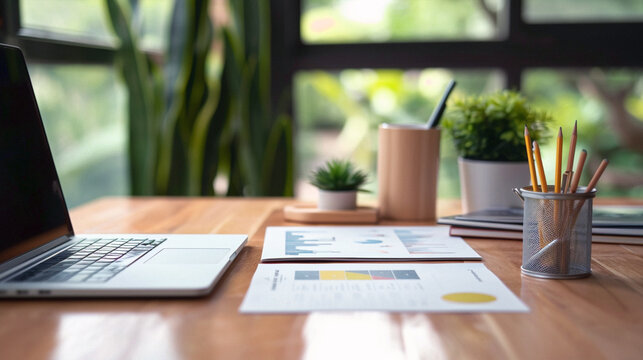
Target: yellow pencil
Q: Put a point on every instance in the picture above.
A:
(541, 169)
(530, 159)
(559, 159)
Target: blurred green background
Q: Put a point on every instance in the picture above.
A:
(337, 113)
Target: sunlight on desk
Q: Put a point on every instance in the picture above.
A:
(371, 335)
(115, 336)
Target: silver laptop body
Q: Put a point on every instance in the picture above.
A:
(40, 256)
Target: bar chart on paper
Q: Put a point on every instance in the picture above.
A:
(420, 241)
(364, 242)
(461, 287)
(309, 242)
(356, 275)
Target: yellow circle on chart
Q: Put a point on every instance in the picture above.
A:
(469, 297)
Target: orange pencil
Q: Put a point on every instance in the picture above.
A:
(530, 159)
(572, 148)
(559, 159)
(568, 174)
(541, 169)
(579, 170)
(597, 175)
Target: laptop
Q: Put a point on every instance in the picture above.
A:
(41, 256)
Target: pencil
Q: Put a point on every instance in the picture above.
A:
(568, 174)
(559, 159)
(579, 170)
(530, 159)
(572, 148)
(597, 175)
(541, 170)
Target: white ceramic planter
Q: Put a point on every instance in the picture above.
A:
(337, 200)
(489, 184)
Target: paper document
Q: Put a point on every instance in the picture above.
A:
(352, 243)
(294, 288)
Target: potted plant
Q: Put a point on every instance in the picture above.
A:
(488, 133)
(338, 182)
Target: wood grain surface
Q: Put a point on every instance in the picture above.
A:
(600, 317)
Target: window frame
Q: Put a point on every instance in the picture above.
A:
(47, 47)
(519, 46)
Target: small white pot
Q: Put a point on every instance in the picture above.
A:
(489, 184)
(337, 200)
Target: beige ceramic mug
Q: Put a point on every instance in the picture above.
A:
(407, 171)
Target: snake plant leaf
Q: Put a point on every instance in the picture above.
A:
(137, 73)
(218, 155)
(191, 102)
(172, 160)
(186, 127)
(211, 148)
(277, 170)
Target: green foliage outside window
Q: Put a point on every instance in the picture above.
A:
(338, 113)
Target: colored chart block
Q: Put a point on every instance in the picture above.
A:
(332, 275)
(469, 298)
(358, 275)
(382, 275)
(306, 275)
(406, 275)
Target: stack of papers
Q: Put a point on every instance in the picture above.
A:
(610, 224)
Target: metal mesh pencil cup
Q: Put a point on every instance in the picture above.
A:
(557, 233)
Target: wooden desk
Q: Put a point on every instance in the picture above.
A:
(600, 317)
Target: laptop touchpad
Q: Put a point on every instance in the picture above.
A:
(189, 256)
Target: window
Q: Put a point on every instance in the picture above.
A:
(69, 50)
(86, 20)
(338, 115)
(78, 19)
(543, 11)
(374, 61)
(346, 21)
(608, 105)
(546, 49)
(83, 110)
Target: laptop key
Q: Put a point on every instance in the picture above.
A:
(98, 278)
(78, 278)
(89, 260)
(61, 277)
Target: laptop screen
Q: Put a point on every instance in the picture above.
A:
(32, 207)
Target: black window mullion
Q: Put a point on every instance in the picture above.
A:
(9, 20)
(56, 51)
(512, 33)
(285, 43)
(464, 54)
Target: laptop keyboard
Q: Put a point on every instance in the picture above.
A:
(89, 260)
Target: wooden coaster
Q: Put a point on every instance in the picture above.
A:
(309, 213)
